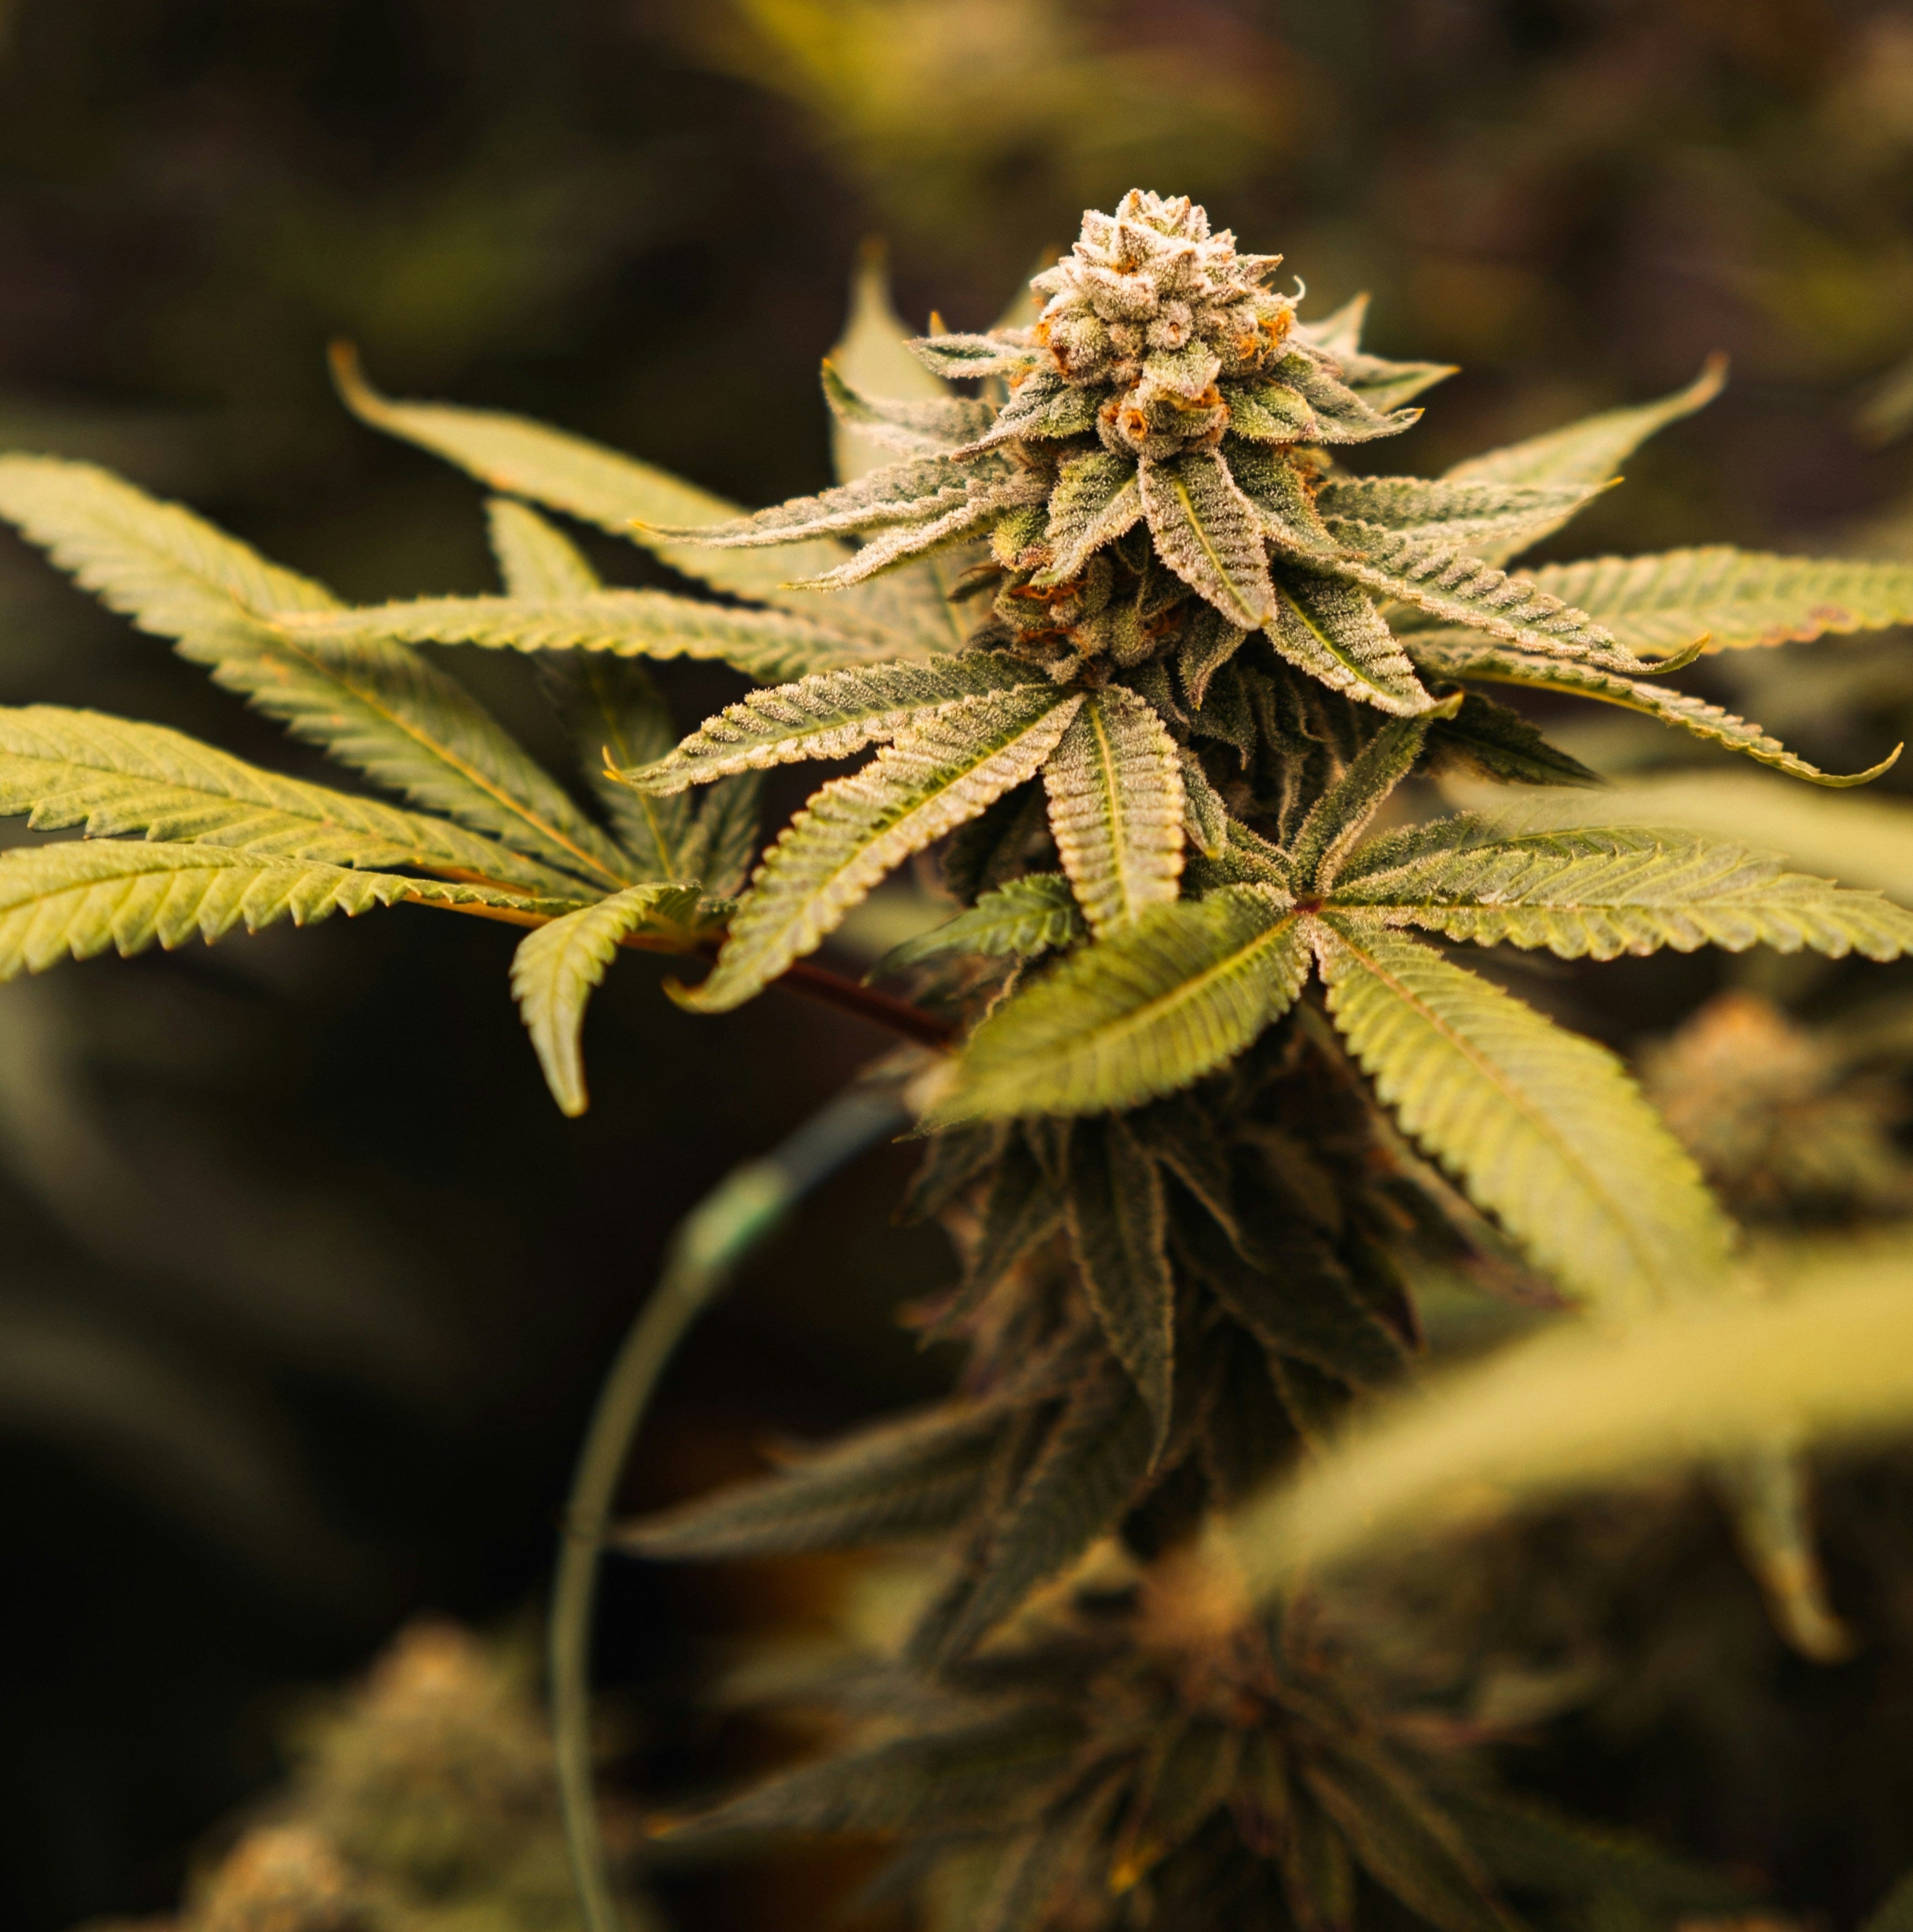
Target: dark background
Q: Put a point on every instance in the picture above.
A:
(304, 1284)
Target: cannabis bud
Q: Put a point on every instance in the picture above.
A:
(1154, 307)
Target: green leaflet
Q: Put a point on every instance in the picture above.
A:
(763, 644)
(962, 357)
(1186, 1778)
(1544, 1129)
(1405, 1844)
(1344, 812)
(1499, 743)
(1463, 659)
(1116, 798)
(1284, 500)
(1476, 517)
(1205, 816)
(76, 899)
(536, 560)
(1463, 590)
(1295, 1298)
(1209, 641)
(917, 426)
(1035, 914)
(1659, 603)
(1340, 415)
(941, 770)
(1209, 533)
(985, 1776)
(1318, 1875)
(965, 518)
(1580, 1405)
(1078, 1489)
(380, 708)
(1118, 1227)
(557, 968)
(1330, 630)
(1021, 1209)
(1599, 893)
(1527, 1844)
(1042, 406)
(519, 458)
(722, 845)
(904, 1477)
(1591, 450)
(829, 715)
(1141, 1013)
(616, 714)
(1097, 499)
(899, 493)
(112, 777)
(873, 356)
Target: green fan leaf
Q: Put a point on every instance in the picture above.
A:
(1599, 893)
(112, 777)
(1118, 1227)
(961, 357)
(1029, 916)
(1405, 1844)
(984, 1777)
(723, 846)
(1041, 407)
(829, 715)
(1591, 450)
(1528, 1845)
(1141, 1013)
(1097, 499)
(536, 561)
(909, 1477)
(76, 899)
(556, 969)
(1343, 812)
(1461, 590)
(616, 714)
(1333, 631)
(915, 426)
(519, 458)
(1210, 534)
(1478, 517)
(1296, 1299)
(944, 770)
(1462, 659)
(1341, 415)
(763, 644)
(1081, 1485)
(1499, 742)
(380, 708)
(1658, 604)
(899, 493)
(985, 501)
(1116, 798)
(1209, 641)
(1545, 1129)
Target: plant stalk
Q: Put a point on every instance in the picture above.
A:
(710, 1244)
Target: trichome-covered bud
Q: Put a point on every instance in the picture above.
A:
(1155, 310)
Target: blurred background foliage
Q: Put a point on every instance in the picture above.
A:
(284, 1354)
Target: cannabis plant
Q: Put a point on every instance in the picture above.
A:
(1206, 1102)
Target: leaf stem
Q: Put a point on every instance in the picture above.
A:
(813, 982)
(711, 1243)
